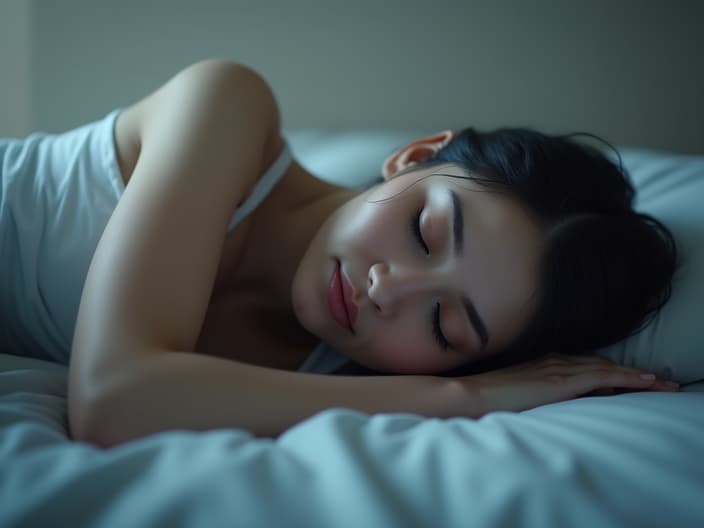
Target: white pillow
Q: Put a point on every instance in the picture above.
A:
(670, 187)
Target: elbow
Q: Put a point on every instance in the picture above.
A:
(84, 397)
(101, 396)
(81, 425)
(92, 416)
(84, 419)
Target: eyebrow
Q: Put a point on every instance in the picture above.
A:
(458, 234)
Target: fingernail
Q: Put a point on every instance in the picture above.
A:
(648, 377)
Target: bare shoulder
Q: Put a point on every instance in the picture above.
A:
(212, 84)
(189, 152)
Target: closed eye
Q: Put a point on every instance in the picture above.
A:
(415, 229)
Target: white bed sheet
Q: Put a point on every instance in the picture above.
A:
(628, 460)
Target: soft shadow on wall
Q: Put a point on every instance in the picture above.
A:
(625, 69)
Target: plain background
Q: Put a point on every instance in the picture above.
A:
(631, 71)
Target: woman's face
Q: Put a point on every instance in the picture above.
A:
(420, 274)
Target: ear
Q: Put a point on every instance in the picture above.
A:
(415, 152)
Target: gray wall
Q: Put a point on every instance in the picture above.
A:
(631, 71)
(15, 66)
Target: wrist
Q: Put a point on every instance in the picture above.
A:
(431, 396)
(462, 397)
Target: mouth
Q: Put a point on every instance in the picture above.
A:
(340, 293)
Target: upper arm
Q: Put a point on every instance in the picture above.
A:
(202, 140)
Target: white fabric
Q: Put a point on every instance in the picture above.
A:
(671, 188)
(323, 360)
(57, 192)
(262, 188)
(627, 460)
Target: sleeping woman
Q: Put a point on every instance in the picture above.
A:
(194, 276)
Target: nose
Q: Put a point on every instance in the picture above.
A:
(389, 288)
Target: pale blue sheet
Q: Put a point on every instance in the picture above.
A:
(627, 460)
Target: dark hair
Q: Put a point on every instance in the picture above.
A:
(606, 269)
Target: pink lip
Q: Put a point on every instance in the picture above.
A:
(348, 295)
(340, 293)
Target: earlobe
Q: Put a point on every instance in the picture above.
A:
(415, 152)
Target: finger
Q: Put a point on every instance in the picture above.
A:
(616, 378)
(665, 386)
(597, 368)
(658, 385)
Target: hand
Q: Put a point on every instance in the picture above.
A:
(557, 377)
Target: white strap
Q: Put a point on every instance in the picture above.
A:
(262, 187)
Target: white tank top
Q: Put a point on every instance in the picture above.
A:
(57, 192)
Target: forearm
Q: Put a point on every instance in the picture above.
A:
(164, 390)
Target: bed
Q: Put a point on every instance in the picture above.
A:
(634, 459)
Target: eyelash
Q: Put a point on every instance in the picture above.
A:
(437, 331)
